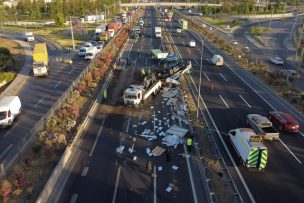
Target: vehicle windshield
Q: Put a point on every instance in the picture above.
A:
(3, 115)
(89, 54)
(130, 96)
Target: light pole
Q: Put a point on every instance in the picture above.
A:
(200, 74)
(72, 33)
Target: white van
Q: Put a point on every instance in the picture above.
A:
(90, 53)
(249, 147)
(10, 107)
(28, 36)
(217, 60)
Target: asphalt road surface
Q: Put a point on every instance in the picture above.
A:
(38, 94)
(102, 174)
(228, 102)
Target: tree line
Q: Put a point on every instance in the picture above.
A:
(38, 9)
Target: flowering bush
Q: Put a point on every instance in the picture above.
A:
(20, 179)
(5, 192)
(81, 87)
(27, 160)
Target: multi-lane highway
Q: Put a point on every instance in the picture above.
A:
(37, 95)
(103, 175)
(236, 94)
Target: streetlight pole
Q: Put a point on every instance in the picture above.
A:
(200, 74)
(72, 33)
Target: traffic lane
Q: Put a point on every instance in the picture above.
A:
(99, 182)
(245, 114)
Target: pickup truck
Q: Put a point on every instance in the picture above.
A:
(262, 126)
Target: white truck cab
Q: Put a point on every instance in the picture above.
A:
(10, 107)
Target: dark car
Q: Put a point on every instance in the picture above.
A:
(284, 121)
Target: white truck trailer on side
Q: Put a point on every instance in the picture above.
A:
(158, 32)
(158, 54)
(137, 94)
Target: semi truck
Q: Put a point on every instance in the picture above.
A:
(249, 147)
(40, 58)
(262, 126)
(138, 94)
(10, 108)
(169, 16)
(158, 32)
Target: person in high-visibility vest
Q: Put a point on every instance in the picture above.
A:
(189, 144)
(143, 72)
(105, 94)
(149, 71)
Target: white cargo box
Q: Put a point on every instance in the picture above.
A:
(10, 107)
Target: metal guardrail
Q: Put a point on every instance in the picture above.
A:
(16, 151)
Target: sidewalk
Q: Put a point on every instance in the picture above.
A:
(22, 77)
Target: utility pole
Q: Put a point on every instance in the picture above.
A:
(269, 26)
(72, 33)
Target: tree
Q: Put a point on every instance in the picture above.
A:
(36, 10)
(227, 6)
(59, 19)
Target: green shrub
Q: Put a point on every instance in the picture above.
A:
(36, 148)
(5, 51)
(8, 76)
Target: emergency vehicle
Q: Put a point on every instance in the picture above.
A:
(249, 147)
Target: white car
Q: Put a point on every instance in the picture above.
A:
(178, 30)
(192, 43)
(88, 45)
(166, 20)
(211, 28)
(99, 48)
(204, 25)
(234, 42)
(247, 49)
(82, 51)
(289, 74)
(276, 60)
(90, 53)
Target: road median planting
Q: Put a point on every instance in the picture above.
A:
(56, 132)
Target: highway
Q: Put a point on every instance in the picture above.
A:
(235, 94)
(103, 175)
(37, 95)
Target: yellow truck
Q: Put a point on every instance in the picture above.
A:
(40, 60)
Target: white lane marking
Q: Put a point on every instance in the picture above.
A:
(206, 76)
(146, 61)
(190, 176)
(8, 148)
(128, 53)
(138, 50)
(298, 160)
(225, 146)
(223, 77)
(9, 131)
(97, 137)
(245, 101)
(195, 61)
(264, 101)
(39, 101)
(74, 198)
(58, 83)
(116, 185)
(128, 125)
(71, 71)
(301, 133)
(85, 171)
(224, 101)
(188, 51)
(154, 185)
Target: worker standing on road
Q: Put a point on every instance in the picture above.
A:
(149, 167)
(168, 153)
(105, 94)
(143, 72)
(189, 144)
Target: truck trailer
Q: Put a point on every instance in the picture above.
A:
(158, 32)
(40, 58)
(10, 108)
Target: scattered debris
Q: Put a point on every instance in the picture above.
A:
(120, 149)
(143, 123)
(134, 158)
(148, 151)
(157, 151)
(168, 189)
(174, 167)
(131, 150)
(160, 168)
